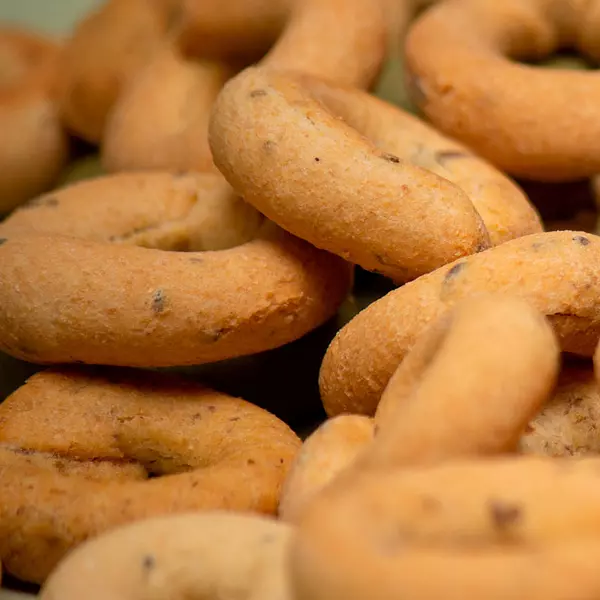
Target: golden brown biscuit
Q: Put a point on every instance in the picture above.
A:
(490, 528)
(86, 299)
(200, 450)
(301, 157)
(160, 120)
(461, 58)
(554, 271)
(213, 555)
(33, 145)
(567, 425)
(106, 49)
(469, 385)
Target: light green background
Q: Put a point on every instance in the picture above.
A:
(52, 16)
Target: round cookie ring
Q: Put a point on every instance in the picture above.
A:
(106, 49)
(85, 450)
(34, 147)
(496, 528)
(86, 299)
(212, 555)
(363, 356)
(533, 123)
(427, 414)
(323, 180)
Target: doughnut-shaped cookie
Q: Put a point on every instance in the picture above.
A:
(282, 143)
(567, 425)
(160, 120)
(215, 555)
(33, 145)
(554, 271)
(86, 299)
(329, 450)
(493, 529)
(409, 144)
(469, 385)
(461, 58)
(106, 49)
(199, 450)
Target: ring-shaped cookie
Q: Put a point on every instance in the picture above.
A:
(34, 147)
(282, 142)
(213, 555)
(173, 446)
(86, 292)
(499, 528)
(427, 414)
(107, 48)
(530, 122)
(554, 271)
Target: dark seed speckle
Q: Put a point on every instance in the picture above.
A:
(257, 93)
(504, 515)
(148, 562)
(3, 241)
(454, 271)
(390, 158)
(269, 146)
(581, 240)
(158, 301)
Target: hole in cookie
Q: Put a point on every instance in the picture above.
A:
(565, 58)
(164, 211)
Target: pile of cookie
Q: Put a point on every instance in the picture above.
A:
(250, 176)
